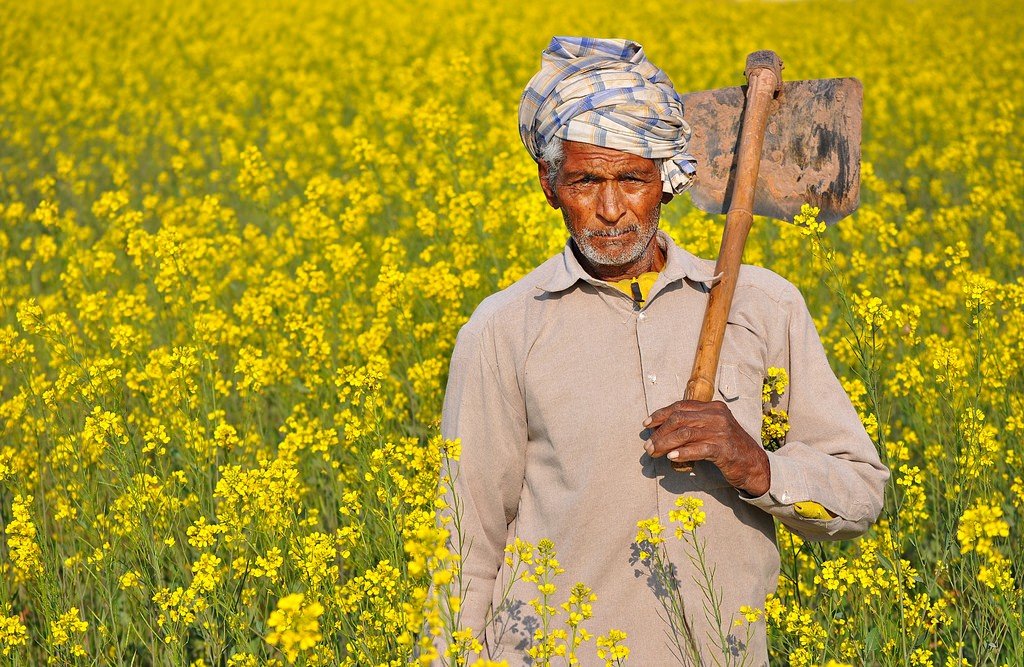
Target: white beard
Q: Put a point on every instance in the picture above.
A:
(626, 255)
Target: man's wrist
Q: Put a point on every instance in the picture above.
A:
(760, 480)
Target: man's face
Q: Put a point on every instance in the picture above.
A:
(610, 201)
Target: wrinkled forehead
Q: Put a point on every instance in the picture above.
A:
(593, 158)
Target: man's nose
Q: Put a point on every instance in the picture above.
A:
(610, 206)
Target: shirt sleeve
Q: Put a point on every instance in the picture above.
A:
(484, 409)
(828, 458)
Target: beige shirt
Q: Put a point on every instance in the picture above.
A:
(550, 382)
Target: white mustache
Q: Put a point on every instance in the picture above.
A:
(613, 232)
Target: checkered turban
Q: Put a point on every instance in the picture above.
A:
(607, 93)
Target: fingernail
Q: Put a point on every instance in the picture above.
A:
(649, 447)
(647, 422)
(673, 455)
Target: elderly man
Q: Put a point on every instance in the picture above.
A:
(565, 391)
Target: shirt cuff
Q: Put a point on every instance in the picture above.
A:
(787, 485)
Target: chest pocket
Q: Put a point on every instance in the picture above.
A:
(735, 382)
(739, 389)
(729, 382)
(741, 375)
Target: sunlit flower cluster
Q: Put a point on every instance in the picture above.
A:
(295, 626)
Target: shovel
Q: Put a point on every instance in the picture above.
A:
(765, 149)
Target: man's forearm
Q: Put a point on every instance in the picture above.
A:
(850, 491)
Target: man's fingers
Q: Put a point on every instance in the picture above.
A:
(659, 416)
(668, 442)
(675, 430)
(698, 451)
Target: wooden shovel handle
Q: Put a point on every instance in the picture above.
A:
(764, 78)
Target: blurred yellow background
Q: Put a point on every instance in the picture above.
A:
(238, 239)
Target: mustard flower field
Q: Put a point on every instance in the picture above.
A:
(237, 241)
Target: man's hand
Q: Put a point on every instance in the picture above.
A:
(695, 431)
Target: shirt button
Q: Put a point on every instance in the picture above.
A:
(642, 316)
(653, 378)
(784, 498)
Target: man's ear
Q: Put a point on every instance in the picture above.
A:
(545, 184)
(666, 197)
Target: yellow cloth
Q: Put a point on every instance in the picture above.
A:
(645, 281)
(812, 510)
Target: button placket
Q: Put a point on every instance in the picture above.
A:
(658, 387)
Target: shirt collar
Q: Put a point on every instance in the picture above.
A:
(679, 264)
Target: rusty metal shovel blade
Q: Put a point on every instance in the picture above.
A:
(811, 148)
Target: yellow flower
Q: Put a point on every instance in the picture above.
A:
(751, 614)
(13, 633)
(649, 531)
(688, 514)
(295, 626)
(129, 580)
(65, 630)
(611, 648)
(806, 220)
(774, 384)
(979, 525)
(25, 554)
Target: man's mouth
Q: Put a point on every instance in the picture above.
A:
(612, 233)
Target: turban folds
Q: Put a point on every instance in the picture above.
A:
(607, 93)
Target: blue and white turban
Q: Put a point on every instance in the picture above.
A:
(607, 93)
